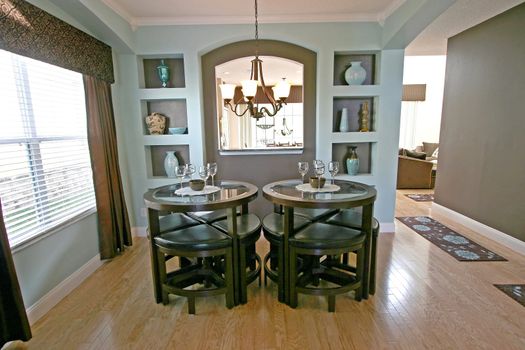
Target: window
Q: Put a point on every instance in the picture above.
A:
(45, 169)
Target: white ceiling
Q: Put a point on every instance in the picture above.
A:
(156, 12)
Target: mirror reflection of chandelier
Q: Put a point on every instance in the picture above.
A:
(249, 102)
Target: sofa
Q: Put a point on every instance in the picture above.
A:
(417, 169)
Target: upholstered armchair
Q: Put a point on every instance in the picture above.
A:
(414, 173)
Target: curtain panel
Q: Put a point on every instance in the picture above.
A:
(29, 31)
(114, 228)
(13, 319)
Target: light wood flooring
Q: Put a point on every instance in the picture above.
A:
(425, 300)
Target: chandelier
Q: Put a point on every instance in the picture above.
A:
(248, 102)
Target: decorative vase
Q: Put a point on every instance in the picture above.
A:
(156, 123)
(343, 124)
(355, 74)
(163, 71)
(363, 127)
(352, 161)
(170, 163)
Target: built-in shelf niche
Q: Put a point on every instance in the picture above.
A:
(342, 63)
(364, 151)
(176, 69)
(175, 110)
(155, 156)
(353, 105)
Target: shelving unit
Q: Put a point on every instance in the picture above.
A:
(170, 101)
(352, 98)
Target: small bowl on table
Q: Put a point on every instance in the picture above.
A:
(197, 185)
(317, 182)
(176, 131)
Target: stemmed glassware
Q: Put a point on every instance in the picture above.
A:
(333, 169)
(303, 169)
(212, 167)
(190, 170)
(204, 173)
(180, 172)
(319, 169)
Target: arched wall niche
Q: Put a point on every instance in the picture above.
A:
(258, 169)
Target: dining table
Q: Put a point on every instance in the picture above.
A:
(228, 195)
(341, 194)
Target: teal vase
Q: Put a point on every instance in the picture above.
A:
(163, 71)
(352, 161)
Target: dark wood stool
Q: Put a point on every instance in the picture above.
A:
(209, 217)
(248, 231)
(315, 214)
(352, 218)
(200, 241)
(175, 221)
(317, 240)
(273, 225)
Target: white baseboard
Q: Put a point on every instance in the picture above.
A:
(59, 292)
(387, 227)
(487, 231)
(138, 231)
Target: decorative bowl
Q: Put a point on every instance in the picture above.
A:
(197, 185)
(177, 131)
(314, 182)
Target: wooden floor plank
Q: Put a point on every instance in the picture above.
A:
(425, 299)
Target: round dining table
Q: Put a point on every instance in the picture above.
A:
(227, 195)
(342, 194)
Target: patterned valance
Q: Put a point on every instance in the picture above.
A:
(29, 31)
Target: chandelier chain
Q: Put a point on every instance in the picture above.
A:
(256, 31)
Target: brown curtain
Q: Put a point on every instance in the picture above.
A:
(114, 229)
(13, 319)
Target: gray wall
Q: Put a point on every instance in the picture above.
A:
(481, 171)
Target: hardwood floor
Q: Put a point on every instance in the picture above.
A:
(425, 299)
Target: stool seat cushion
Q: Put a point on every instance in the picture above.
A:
(175, 221)
(200, 237)
(210, 216)
(247, 225)
(273, 224)
(314, 214)
(325, 236)
(351, 218)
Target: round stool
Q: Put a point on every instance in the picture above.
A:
(198, 241)
(317, 240)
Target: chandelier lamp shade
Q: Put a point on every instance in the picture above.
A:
(248, 103)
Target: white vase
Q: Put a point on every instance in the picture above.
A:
(170, 163)
(355, 74)
(343, 124)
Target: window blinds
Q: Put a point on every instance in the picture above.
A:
(45, 169)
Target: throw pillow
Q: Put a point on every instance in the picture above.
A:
(402, 152)
(418, 155)
(429, 148)
(435, 154)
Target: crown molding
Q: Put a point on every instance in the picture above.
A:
(135, 22)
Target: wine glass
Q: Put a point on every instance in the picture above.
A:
(212, 167)
(303, 169)
(333, 169)
(204, 173)
(190, 170)
(180, 172)
(319, 171)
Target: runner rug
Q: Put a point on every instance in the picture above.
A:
(460, 247)
(421, 197)
(515, 291)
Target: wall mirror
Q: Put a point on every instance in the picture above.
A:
(284, 131)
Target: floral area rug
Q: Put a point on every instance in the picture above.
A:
(421, 197)
(515, 291)
(460, 247)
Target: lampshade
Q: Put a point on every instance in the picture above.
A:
(227, 91)
(249, 88)
(282, 89)
(414, 92)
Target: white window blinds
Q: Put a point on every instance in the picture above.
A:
(45, 169)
